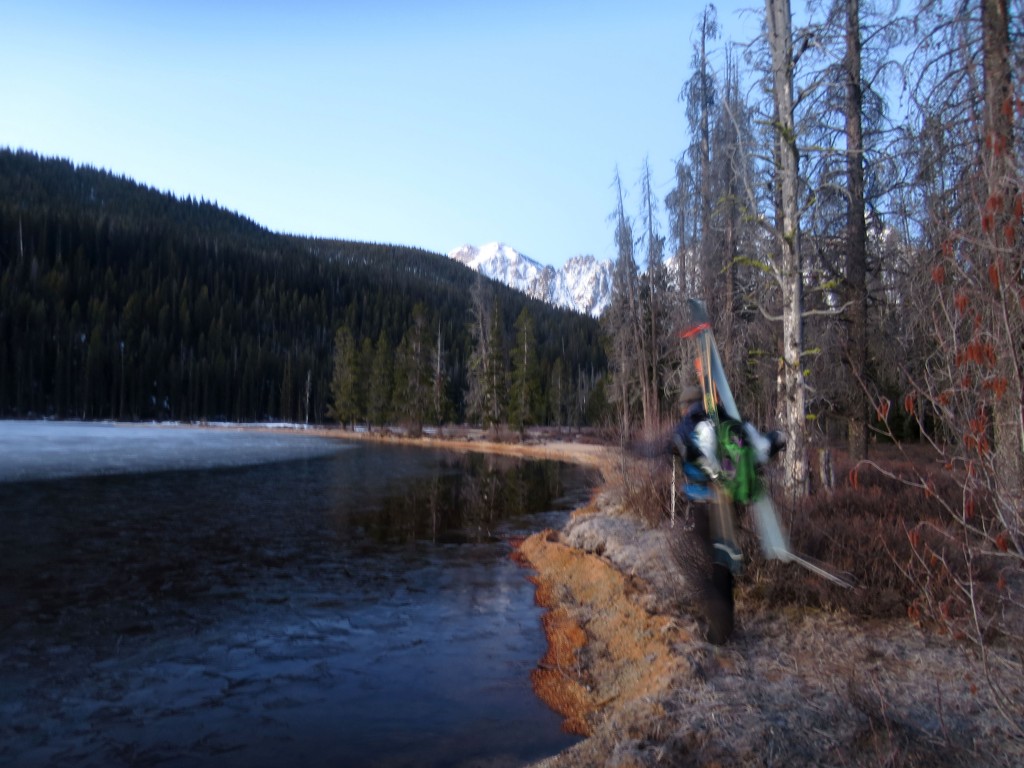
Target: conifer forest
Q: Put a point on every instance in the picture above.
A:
(121, 302)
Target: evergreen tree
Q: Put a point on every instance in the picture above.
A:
(700, 95)
(441, 406)
(413, 372)
(287, 409)
(479, 398)
(524, 389)
(381, 383)
(656, 311)
(346, 378)
(496, 373)
(622, 320)
(557, 393)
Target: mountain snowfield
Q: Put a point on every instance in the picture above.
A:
(583, 284)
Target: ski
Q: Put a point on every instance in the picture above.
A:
(718, 403)
(709, 364)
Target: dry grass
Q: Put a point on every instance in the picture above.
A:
(814, 675)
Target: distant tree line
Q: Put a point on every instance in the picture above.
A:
(121, 302)
(374, 383)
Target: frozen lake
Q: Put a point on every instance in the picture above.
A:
(347, 605)
(35, 450)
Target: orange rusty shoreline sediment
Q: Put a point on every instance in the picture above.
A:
(554, 679)
(603, 645)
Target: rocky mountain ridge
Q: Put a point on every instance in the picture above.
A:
(582, 284)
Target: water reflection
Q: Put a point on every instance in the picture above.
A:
(353, 609)
(465, 501)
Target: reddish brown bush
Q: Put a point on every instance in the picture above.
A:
(885, 525)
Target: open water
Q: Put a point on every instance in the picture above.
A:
(353, 605)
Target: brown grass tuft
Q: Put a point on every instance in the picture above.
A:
(647, 490)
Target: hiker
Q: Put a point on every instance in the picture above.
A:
(696, 443)
(694, 438)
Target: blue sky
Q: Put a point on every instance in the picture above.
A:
(430, 124)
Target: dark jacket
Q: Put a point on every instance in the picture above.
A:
(682, 442)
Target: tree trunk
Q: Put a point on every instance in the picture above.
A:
(1004, 258)
(706, 266)
(729, 150)
(791, 380)
(856, 241)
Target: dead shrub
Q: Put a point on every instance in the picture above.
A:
(882, 525)
(647, 490)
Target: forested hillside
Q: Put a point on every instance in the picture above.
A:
(119, 301)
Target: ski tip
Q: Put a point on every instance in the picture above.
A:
(691, 332)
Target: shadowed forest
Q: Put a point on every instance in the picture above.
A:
(120, 302)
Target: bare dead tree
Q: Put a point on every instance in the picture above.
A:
(789, 265)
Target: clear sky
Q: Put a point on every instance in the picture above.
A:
(430, 124)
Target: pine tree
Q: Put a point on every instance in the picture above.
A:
(346, 378)
(413, 372)
(485, 399)
(622, 319)
(381, 384)
(700, 96)
(496, 373)
(441, 406)
(524, 390)
(557, 393)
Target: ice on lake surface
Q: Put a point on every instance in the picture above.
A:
(35, 450)
(268, 598)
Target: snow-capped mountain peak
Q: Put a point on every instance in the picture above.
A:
(583, 284)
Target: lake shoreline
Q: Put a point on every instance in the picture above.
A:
(627, 667)
(588, 451)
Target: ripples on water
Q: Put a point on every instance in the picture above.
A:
(357, 608)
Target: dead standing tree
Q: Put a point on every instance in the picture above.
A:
(856, 236)
(788, 268)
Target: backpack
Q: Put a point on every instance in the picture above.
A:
(739, 469)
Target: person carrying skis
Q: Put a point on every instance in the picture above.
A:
(722, 457)
(695, 441)
(694, 438)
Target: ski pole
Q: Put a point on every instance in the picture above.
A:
(672, 516)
